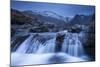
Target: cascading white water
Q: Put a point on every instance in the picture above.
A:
(23, 47)
(72, 45)
(32, 48)
(48, 48)
(30, 45)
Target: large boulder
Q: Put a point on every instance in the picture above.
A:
(59, 41)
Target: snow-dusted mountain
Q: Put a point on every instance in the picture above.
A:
(53, 14)
(47, 17)
(45, 14)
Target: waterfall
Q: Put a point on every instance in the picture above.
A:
(23, 47)
(72, 45)
(32, 45)
(48, 48)
(71, 49)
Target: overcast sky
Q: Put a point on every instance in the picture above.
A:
(61, 9)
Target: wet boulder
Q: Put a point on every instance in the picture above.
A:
(59, 41)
